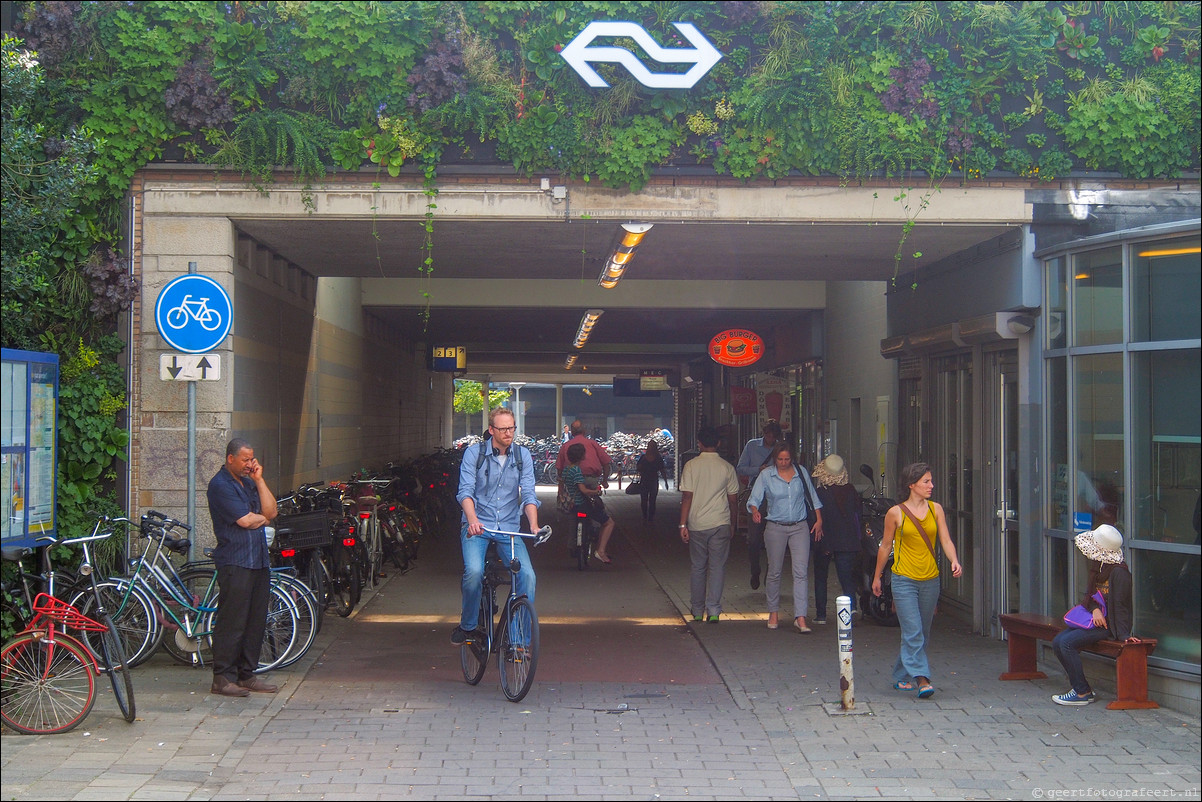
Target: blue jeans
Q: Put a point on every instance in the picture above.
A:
(1067, 646)
(915, 604)
(474, 549)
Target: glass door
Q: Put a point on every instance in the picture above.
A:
(1001, 481)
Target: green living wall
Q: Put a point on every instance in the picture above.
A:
(935, 92)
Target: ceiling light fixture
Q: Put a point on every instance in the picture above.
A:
(1171, 251)
(569, 362)
(586, 326)
(622, 255)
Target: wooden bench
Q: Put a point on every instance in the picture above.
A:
(1131, 659)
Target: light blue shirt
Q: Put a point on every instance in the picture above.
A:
(786, 500)
(753, 457)
(499, 493)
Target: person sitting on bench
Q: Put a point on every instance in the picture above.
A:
(1109, 576)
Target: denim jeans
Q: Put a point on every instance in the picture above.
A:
(915, 604)
(1067, 646)
(845, 568)
(474, 549)
(708, 550)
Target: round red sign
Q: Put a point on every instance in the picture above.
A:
(736, 348)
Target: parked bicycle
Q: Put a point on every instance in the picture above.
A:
(47, 677)
(509, 631)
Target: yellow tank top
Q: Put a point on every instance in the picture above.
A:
(911, 557)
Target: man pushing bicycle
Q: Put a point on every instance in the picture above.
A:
(496, 485)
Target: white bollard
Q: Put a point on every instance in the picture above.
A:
(847, 685)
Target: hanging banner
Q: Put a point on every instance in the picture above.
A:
(742, 401)
(772, 401)
(736, 348)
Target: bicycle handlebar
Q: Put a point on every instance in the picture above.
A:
(540, 537)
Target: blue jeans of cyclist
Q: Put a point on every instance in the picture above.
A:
(474, 549)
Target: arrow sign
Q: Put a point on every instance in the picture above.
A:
(189, 367)
(702, 55)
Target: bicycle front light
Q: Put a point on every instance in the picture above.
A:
(85, 569)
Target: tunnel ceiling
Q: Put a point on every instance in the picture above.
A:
(687, 282)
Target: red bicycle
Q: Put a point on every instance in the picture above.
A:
(47, 677)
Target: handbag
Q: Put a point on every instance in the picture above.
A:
(634, 488)
(811, 512)
(563, 501)
(1082, 618)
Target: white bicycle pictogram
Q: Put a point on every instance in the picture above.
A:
(209, 319)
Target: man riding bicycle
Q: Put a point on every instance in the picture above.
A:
(494, 490)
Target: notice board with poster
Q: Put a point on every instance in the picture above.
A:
(28, 442)
(653, 380)
(772, 401)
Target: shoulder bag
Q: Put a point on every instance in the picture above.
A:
(811, 511)
(1082, 618)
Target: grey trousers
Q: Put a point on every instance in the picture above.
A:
(708, 550)
(797, 539)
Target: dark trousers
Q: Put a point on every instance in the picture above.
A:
(755, 541)
(647, 495)
(1067, 646)
(241, 621)
(845, 569)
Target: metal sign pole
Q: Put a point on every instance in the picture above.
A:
(192, 453)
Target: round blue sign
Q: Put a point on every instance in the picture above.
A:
(193, 314)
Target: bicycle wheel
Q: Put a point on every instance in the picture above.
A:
(473, 654)
(281, 632)
(343, 576)
(192, 644)
(395, 548)
(118, 671)
(46, 687)
(306, 617)
(518, 655)
(133, 611)
(374, 553)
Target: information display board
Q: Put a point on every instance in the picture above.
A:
(28, 442)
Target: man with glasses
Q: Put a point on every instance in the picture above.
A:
(495, 489)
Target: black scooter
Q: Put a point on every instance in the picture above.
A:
(872, 518)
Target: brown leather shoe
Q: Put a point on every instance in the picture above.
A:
(223, 687)
(257, 685)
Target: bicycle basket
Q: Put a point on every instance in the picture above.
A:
(59, 611)
(303, 530)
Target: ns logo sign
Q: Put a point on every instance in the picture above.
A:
(702, 55)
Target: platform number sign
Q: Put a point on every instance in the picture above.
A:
(193, 314)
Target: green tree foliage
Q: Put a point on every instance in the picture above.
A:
(469, 399)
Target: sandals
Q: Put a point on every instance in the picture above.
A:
(926, 691)
(904, 685)
(605, 560)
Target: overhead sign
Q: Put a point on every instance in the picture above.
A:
(702, 55)
(189, 367)
(193, 313)
(736, 348)
(450, 358)
(653, 380)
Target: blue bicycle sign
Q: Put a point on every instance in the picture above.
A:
(193, 314)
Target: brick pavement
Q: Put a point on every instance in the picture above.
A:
(630, 702)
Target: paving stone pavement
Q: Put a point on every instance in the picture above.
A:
(630, 702)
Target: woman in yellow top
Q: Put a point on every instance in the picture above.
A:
(915, 573)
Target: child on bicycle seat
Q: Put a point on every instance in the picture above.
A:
(586, 497)
(494, 491)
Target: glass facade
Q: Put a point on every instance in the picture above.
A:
(1123, 374)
